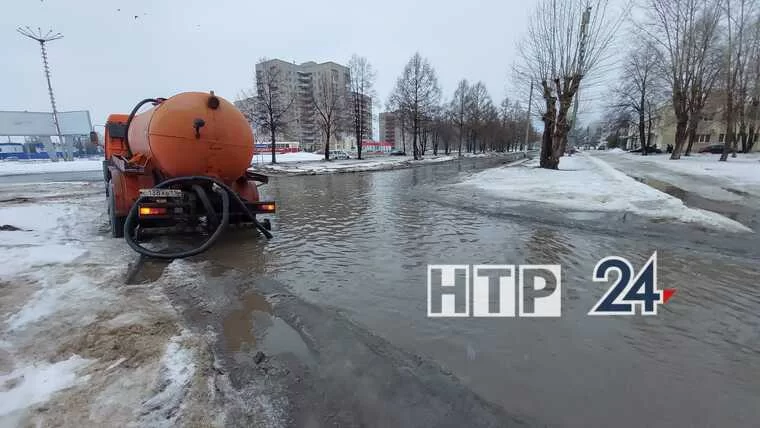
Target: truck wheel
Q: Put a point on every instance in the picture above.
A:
(117, 223)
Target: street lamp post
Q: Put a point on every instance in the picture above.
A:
(42, 39)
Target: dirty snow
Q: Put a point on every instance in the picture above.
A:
(64, 300)
(264, 157)
(375, 163)
(177, 370)
(37, 382)
(586, 183)
(21, 167)
(78, 290)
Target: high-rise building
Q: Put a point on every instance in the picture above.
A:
(390, 129)
(298, 82)
(366, 111)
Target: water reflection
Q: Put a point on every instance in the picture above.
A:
(361, 243)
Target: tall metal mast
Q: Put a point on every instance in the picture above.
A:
(581, 62)
(42, 39)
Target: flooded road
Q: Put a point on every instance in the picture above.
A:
(360, 243)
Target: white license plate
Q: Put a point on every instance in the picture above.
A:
(161, 193)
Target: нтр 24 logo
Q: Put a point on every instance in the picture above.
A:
(626, 294)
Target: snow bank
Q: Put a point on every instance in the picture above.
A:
(370, 164)
(585, 183)
(22, 167)
(36, 383)
(264, 157)
(616, 151)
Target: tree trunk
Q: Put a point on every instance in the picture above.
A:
(681, 126)
(414, 142)
(327, 145)
(642, 128)
(730, 129)
(274, 160)
(743, 136)
(691, 134)
(549, 117)
(751, 138)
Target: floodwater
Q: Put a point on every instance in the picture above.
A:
(361, 243)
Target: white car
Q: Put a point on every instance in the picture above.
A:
(339, 154)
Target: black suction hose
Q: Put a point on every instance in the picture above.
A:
(129, 121)
(223, 190)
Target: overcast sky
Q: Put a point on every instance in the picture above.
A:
(115, 53)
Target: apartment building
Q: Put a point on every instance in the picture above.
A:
(298, 82)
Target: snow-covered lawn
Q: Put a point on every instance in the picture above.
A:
(587, 183)
(44, 166)
(78, 346)
(375, 163)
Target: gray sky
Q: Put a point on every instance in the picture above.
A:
(108, 59)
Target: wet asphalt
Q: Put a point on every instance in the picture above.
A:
(336, 305)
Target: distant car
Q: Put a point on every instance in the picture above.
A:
(650, 149)
(397, 153)
(715, 149)
(339, 155)
(601, 147)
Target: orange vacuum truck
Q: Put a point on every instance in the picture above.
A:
(181, 168)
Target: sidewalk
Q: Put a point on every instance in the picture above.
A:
(729, 188)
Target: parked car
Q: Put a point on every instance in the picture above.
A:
(650, 149)
(715, 149)
(397, 153)
(339, 155)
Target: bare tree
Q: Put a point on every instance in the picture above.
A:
(706, 69)
(458, 108)
(329, 104)
(740, 15)
(639, 88)
(752, 88)
(684, 33)
(416, 95)
(478, 108)
(566, 40)
(362, 92)
(270, 104)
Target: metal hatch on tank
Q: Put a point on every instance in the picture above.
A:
(180, 167)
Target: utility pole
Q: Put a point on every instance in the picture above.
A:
(527, 119)
(581, 61)
(42, 39)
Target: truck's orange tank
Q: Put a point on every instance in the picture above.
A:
(169, 134)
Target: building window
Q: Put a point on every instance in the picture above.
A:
(721, 137)
(707, 138)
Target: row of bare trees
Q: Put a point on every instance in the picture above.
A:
(688, 54)
(469, 121)
(338, 107)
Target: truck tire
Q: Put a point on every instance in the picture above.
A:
(117, 223)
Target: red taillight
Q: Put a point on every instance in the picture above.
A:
(150, 211)
(268, 207)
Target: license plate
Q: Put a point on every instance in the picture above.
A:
(161, 193)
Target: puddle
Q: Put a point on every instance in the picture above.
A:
(253, 328)
(145, 271)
